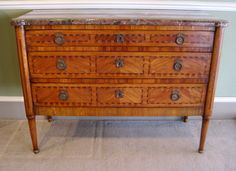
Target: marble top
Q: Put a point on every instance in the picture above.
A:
(117, 16)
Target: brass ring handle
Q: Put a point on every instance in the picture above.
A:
(120, 38)
(175, 95)
(119, 63)
(179, 39)
(61, 65)
(59, 38)
(63, 95)
(119, 93)
(177, 65)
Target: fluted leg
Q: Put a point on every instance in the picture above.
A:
(50, 119)
(185, 118)
(33, 133)
(205, 124)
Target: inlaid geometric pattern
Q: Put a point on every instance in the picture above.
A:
(50, 95)
(200, 39)
(192, 65)
(47, 64)
(130, 64)
(107, 95)
(187, 95)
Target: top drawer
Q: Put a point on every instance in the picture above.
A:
(71, 38)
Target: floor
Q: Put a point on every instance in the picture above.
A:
(114, 145)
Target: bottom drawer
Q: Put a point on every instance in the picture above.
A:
(146, 95)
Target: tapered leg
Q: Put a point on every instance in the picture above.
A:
(185, 118)
(33, 133)
(50, 119)
(205, 123)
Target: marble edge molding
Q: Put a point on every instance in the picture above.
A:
(122, 21)
(123, 4)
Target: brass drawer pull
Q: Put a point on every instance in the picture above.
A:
(179, 39)
(119, 63)
(119, 93)
(175, 95)
(63, 95)
(177, 65)
(120, 38)
(59, 38)
(61, 65)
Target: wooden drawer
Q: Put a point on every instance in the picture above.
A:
(118, 65)
(180, 65)
(71, 38)
(59, 95)
(118, 95)
(52, 64)
(180, 95)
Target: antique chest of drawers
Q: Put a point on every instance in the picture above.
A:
(118, 63)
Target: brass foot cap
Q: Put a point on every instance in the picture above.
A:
(185, 118)
(36, 151)
(50, 119)
(200, 151)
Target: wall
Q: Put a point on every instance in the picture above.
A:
(9, 70)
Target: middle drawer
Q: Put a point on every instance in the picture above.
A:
(119, 65)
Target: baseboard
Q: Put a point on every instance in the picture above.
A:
(12, 107)
(224, 108)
